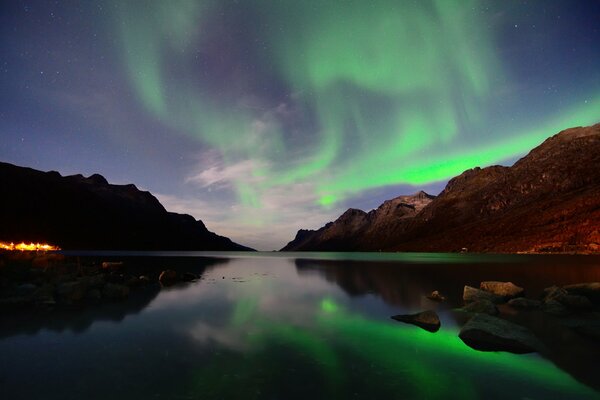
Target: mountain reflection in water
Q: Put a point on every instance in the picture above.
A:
(277, 326)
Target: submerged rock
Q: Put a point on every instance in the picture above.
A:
(427, 320)
(486, 333)
(522, 302)
(471, 294)
(508, 290)
(436, 296)
(481, 307)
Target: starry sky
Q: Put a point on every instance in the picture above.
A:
(262, 117)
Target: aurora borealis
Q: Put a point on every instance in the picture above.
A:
(262, 117)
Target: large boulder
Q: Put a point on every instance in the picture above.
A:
(481, 307)
(471, 294)
(591, 290)
(508, 290)
(427, 320)
(487, 333)
(522, 302)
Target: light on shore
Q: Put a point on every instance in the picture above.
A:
(28, 246)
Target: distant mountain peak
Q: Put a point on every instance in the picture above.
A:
(547, 201)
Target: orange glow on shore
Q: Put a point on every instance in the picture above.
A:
(27, 246)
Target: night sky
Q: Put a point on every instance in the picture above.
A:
(263, 117)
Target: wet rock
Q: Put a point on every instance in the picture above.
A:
(554, 293)
(70, 292)
(587, 325)
(26, 289)
(14, 303)
(575, 301)
(144, 280)
(427, 320)
(591, 290)
(189, 277)
(112, 265)
(471, 294)
(93, 281)
(93, 296)
(167, 277)
(44, 296)
(487, 333)
(508, 290)
(114, 291)
(436, 296)
(481, 307)
(554, 307)
(522, 302)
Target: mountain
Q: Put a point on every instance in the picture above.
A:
(548, 201)
(75, 212)
(358, 230)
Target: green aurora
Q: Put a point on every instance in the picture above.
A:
(389, 92)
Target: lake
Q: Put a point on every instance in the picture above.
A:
(299, 326)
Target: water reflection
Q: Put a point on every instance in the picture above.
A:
(277, 327)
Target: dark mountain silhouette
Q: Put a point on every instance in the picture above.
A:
(548, 201)
(357, 230)
(75, 212)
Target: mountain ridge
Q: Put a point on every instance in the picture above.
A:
(548, 201)
(79, 213)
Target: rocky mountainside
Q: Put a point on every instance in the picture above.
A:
(358, 230)
(548, 201)
(75, 212)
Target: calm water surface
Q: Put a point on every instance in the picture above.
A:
(299, 326)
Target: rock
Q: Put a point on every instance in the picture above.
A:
(487, 333)
(167, 277)
(114, 291)
(427, 320)
(481, 307)
(26, 289)
(93, 281)
(436, 296)
(554, 293)
(93, 296)
(554, 307)
(508, 290)
(575, 301)
(13, 303)
(189, 277)
(587, 324)
(112, 265)
(522, 302)
(44, 296)
(591, 290)
(70, 292)
(471, 294)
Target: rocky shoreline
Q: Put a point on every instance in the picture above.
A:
(491, 307)
(46, 281)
